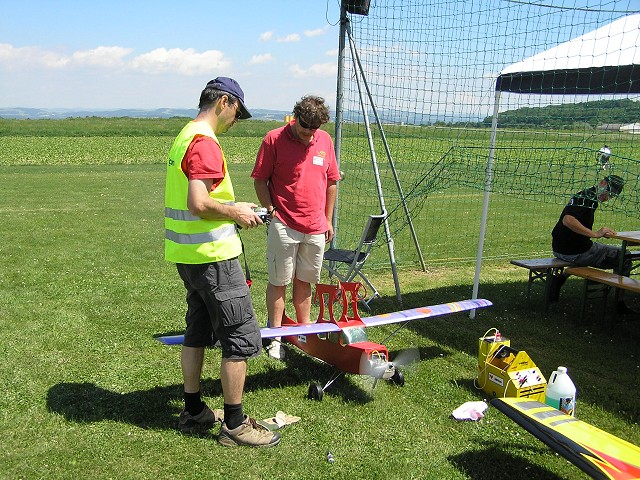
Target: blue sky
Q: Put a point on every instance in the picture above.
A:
(154, 54)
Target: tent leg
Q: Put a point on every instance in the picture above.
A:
(485, 202)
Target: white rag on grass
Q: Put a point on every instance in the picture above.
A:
(470, 411)
(280, 420)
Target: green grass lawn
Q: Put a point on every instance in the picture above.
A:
(88, 391)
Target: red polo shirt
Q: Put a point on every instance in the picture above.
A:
(203, 160)
(297, 176)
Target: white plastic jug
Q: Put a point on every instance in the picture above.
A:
(561, 392)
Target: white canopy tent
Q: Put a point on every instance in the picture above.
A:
(633, 128)
(604, 61)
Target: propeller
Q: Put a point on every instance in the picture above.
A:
(406, 357)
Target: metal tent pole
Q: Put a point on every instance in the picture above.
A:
(386, 147)
(339, 110)
(485, 203)
(376, 172)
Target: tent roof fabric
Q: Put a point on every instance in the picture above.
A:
(606, 60)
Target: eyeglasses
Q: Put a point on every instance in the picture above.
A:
(608, 190)
(238, 111)
(305, 125)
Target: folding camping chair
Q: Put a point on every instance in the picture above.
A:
(355, 259)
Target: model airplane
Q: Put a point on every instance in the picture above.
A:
(596, 452)
(343, 343)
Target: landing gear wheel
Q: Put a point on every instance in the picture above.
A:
(315, 392)
(397, 378)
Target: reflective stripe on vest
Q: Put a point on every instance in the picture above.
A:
(195, 238)
(189, 238)
(183, 215)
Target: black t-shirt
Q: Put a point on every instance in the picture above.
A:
(582, 206)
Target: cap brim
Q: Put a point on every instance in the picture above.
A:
(244, 113)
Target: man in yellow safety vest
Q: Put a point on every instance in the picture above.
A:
(201, 238)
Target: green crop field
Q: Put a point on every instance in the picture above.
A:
(89, 392)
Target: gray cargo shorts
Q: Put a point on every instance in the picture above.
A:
(219, 308)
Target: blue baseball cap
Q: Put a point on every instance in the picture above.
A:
(229, 85)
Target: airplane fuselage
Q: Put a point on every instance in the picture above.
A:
(348, 350)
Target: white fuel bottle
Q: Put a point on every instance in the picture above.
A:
(561, 392)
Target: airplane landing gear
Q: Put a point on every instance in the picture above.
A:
(315, 392)
(397, 378)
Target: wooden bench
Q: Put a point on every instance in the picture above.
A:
(634, 256)
(542, 269)
(602, 281)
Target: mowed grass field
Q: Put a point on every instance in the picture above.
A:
(89, 392)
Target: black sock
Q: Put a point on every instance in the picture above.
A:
(233, 415)
(193, 404)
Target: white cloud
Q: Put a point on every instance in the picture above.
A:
(292, 37)
(160, 60)
(19, 57)
(266, 36)
(317, 31)
(101, 57)
(329, 69)
(177, 60)
(259, 59)
(332, 53)
(7, 52)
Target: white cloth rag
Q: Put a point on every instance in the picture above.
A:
(470, 411)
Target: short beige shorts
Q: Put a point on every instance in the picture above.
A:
(289, 252)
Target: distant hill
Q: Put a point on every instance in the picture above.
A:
(594, 113)
(387, 116)
(43, 113)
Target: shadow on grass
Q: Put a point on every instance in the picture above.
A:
(86, 402)
(499, 461)
(600, 361)
(153, 408)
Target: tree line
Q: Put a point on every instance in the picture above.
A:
(570, 115)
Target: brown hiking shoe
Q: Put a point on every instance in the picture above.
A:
(204, 420)
(249, 433)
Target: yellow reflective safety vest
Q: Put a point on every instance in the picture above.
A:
(189, 238)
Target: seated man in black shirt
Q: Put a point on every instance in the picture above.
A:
(573, 233)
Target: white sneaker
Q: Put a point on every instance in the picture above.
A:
(275, 350)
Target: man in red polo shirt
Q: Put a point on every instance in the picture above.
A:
(295, 177)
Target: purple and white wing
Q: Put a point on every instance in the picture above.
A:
(425, 312)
